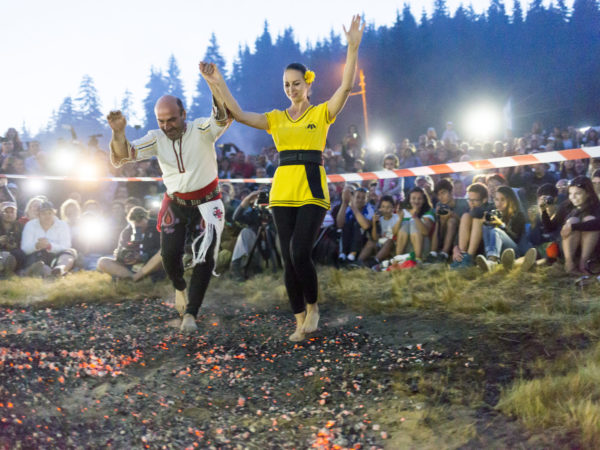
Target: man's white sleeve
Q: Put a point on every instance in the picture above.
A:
(138, 150)
(28, 238)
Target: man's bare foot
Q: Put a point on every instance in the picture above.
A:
(298, 335)
(311, 322)
(188, 324)
(181, 301)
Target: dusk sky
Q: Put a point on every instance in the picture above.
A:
(47, 47)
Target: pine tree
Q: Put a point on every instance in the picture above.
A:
(87, 105)
(517, 15)
(202, 101)
(175, 85)
(157, 86)
(66, 116)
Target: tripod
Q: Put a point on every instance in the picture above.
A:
(265, 242)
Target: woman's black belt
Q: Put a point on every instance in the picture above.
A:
(298, 157)
(311, 160)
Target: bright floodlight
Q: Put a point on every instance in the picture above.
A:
(93, 229)
(483, 122)
(35, 186)
(87, 171)
(377, 144)
(584, 130)
(63, 160)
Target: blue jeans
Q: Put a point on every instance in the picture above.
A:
(495, 240)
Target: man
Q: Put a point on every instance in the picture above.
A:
(354, 219)
(47, 243)
(12, 257)
(138, 251)
(448, 212)
(470, 228)
(186, 155)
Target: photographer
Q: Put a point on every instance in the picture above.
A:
(578, 220)
(252, 212)
(448, 212)
(12, 257)
(138, 251)
(354, 219)
(470, 228)
(503, 231)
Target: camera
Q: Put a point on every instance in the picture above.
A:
(547, 200)
(261, 206)
(493, 214)
(133, 252)
(443, 209)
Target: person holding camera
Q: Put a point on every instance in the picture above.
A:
(578, 220)
(448, 212)
(299, 196)
(138, 252)
(503, 231)
(470, 227)
(252, 212)
(186, 154)
(354, 219)
(12, 257)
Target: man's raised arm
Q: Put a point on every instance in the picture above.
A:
(118, 141)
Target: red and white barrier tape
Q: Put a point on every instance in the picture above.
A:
(437, 169)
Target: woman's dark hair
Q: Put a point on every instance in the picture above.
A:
(297, 66)
(426, 204)
(592, 203)
(513, 202)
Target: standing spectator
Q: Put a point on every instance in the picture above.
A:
(12, 135)
(392, 186)
(450, 134)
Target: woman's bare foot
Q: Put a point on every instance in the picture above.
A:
(180, 301)
(311, 323)
(298, 335)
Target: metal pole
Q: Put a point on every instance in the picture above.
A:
(363, 91)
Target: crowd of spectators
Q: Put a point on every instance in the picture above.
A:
(514, 216)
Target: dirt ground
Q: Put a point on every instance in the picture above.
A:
(121, 375)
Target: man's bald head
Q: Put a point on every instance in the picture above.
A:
(170, 116)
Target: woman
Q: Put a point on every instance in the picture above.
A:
(578, 219)
(416, 223)
(503, 230)
(299, 197)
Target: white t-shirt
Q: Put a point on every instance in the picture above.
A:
(189, 163)
(388, 225)
(59, 236)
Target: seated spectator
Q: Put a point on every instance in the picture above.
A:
(32, 209)
(448, 212)
(12, 257)
(138, 251)
(596, 182)
(34, 163)
(503, 231)
(70, 212)
(47, 243)
(392, 186)
(354, 219)
(425, 182)
(384, 228)
(578, 220)
(470, 227)
(416, 223)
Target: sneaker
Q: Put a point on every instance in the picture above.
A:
(181, 301)
(442, 257)
(485, 264)
(508, 259)
(529, 260)
(467, 261)
(432, 258)
(58, 271)
(188, 324)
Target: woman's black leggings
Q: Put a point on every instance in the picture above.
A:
(297, 229)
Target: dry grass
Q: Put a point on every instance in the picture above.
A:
(567, 399)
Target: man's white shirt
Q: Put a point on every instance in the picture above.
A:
(59, 236)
